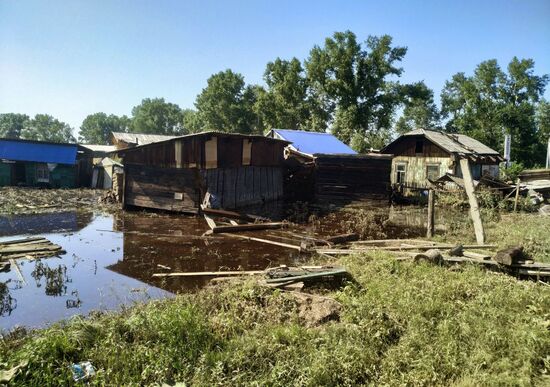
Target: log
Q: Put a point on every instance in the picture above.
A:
(510, 255)
(432, 256)
(343, 238)
(431, 214)
(247, 227)
(474, 206)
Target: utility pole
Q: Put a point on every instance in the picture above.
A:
(507, 148)
(548, 154)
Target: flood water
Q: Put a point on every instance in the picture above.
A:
(110, 259)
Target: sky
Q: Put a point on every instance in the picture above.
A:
(73, 58)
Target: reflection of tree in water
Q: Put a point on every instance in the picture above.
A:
(7, 302)
(56, 278)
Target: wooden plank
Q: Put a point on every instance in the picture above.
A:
(23, 240)
(474, 206)
(312, 276)
(248, 227)
(15, 265)
(517, 195)
(210, 273)
(210, 221)
(471, 254)
(267, 241)
(431, 216)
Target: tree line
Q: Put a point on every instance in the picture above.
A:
(349, 87)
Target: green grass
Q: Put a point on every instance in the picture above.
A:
(401, 323)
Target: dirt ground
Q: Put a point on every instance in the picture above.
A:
(35, 200)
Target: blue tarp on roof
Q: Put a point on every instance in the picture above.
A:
(314, 142)
(37, 152)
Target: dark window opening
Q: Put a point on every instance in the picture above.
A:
(400, 173)
(432, 172)
(419, 148)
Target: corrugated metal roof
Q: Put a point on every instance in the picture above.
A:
(140, 138)
(40, 152)
(313, 142)
(454, 143)
(99, 148)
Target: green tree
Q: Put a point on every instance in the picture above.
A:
(420, 110)
(156, 116)
(492, 103)
(226, 104)
(285, 104)
(96, 128)
(543, 121)
(11, 124)
(352, 82)
(44, 127)
(190, 121)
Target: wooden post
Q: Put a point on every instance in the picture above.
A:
(517, 195)
(124, 171)
(474, 206)
(431, 215)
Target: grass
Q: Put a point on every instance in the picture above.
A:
(401, 323)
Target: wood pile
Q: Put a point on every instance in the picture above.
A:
(512, 260)
(30, 248)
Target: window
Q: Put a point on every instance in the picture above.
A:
(432, 172)
(419, 148)
(400, 170)
(42, 173)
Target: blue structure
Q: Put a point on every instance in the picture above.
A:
(37, 163)
(312, 143)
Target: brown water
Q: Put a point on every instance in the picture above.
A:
(110, 259)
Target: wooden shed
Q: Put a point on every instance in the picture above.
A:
(422, 155)
(323, 168)
(235, 170)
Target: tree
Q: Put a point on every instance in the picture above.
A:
(492, 103)
(226, 104)
(420, 110)
(543, 121)
(350, 82)
(190, 121)
(285, 104)
(156, 116)
(96, 128)
(11, 124)
(44, 127)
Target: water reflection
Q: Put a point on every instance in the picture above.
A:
(44, 223)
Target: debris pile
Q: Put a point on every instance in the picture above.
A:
(35, 200)
(30, 248)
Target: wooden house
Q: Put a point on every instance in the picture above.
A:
(42, 164)
(423, 155)
(323, 168)
(123, 140)
(235, 170)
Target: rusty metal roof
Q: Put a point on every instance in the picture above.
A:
(452, 143)
(140, 138)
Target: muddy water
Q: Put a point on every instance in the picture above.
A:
(110, 260)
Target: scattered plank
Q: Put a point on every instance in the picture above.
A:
(267, 241)
(343, 238)
(14, 264)
(247, 227)
(210, 222)
(210, 273)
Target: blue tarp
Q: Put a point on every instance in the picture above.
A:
(314, 142)
(38, 152)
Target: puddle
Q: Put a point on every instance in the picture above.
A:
(110, 260)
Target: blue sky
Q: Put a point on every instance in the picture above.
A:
(74, 58)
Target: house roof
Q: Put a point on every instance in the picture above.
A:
(99, 148)
(451, 142)
(37, 151)
(140, 138)
(206, 134)
(312, 142)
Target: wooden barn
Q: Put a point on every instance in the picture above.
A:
(235, 170)
(423, 155)
(323, 168)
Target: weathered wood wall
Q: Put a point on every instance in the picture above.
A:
(243, 186)
(352, 176)
(416, 169)
(162, 188)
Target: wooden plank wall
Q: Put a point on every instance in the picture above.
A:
(162, 188)
(243, 186)
(352, 177)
